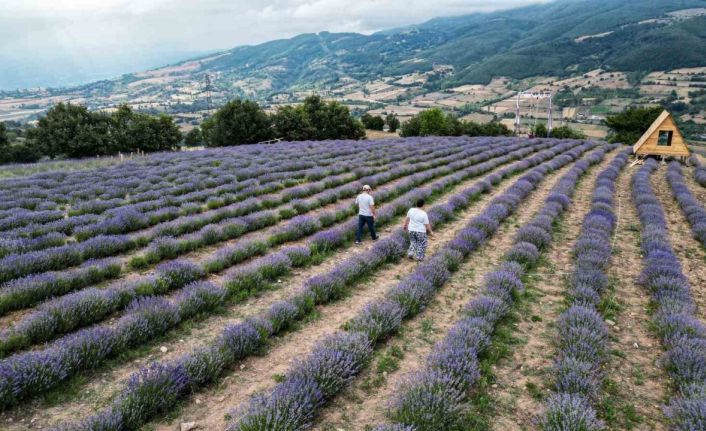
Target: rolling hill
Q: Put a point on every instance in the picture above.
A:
(561, 39)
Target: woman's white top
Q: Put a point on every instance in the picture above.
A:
(417, 219)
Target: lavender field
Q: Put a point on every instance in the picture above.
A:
(222, 290)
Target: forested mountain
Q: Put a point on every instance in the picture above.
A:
(559, 38)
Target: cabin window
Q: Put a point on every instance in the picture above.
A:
(665, 138)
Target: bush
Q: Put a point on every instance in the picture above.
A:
(434, 122)
(566, 132)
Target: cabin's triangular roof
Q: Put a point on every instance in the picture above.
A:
(653, 128)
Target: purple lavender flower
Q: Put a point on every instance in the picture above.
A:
(570, 412)
(428, 400)
(291, 405)
(199, 297)
(178, 273)
(488, 308)
(539, 237)
(378, 320)
(523, 253)
(282, 314)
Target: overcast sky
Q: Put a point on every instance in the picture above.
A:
(41, 39)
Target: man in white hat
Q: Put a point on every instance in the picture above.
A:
(366, 214)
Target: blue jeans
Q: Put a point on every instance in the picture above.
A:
(362, 221)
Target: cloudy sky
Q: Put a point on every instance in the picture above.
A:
(54, 42)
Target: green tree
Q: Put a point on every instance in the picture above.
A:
(331, 120)
(133, 131)
(411, 127)
(71, 130)
(372, 122)
(4, 139)
(193, 138)
(495, 128)
(316, 120)
(433, 122)
(151, 133)
(238, 122)
(292, 124)
(16, 152)
(393, 123)
(628, 126)
(471, 128)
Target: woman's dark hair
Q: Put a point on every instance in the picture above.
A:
(420, 203)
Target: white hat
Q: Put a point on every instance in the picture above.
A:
(367, 187)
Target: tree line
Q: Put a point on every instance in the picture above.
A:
(69, 130)
(434, 122)
(245, 122)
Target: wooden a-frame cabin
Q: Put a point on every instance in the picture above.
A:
(663, 139)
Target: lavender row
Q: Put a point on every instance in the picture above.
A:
(50, 320)
(35, 288)
(699, 170)
(150, 182)
(238, 283)
(436, 397)
(343, 171)
(675, 320)
(238, 341)
(18, 265)
(144, 175)
(65, 256)
(336, 360)
(25, 292)
(583, 335)
(187, 191)
(262, 216)
(163, 208)
(689, 204)
(303, 225)
(153, 183)
(248, 161)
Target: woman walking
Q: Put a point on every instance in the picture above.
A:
(417, 224)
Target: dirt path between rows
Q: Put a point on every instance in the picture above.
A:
(521, 377)
(690, 252)
(634, 365)
(102, 386)
(366, 402)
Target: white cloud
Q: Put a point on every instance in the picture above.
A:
(112, 36)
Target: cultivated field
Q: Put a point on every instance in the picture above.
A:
(221, 289)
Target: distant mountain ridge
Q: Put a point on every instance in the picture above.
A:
(558, 39)
(529, 41)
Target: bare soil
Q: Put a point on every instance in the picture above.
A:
(690, 252)
(634, 366)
